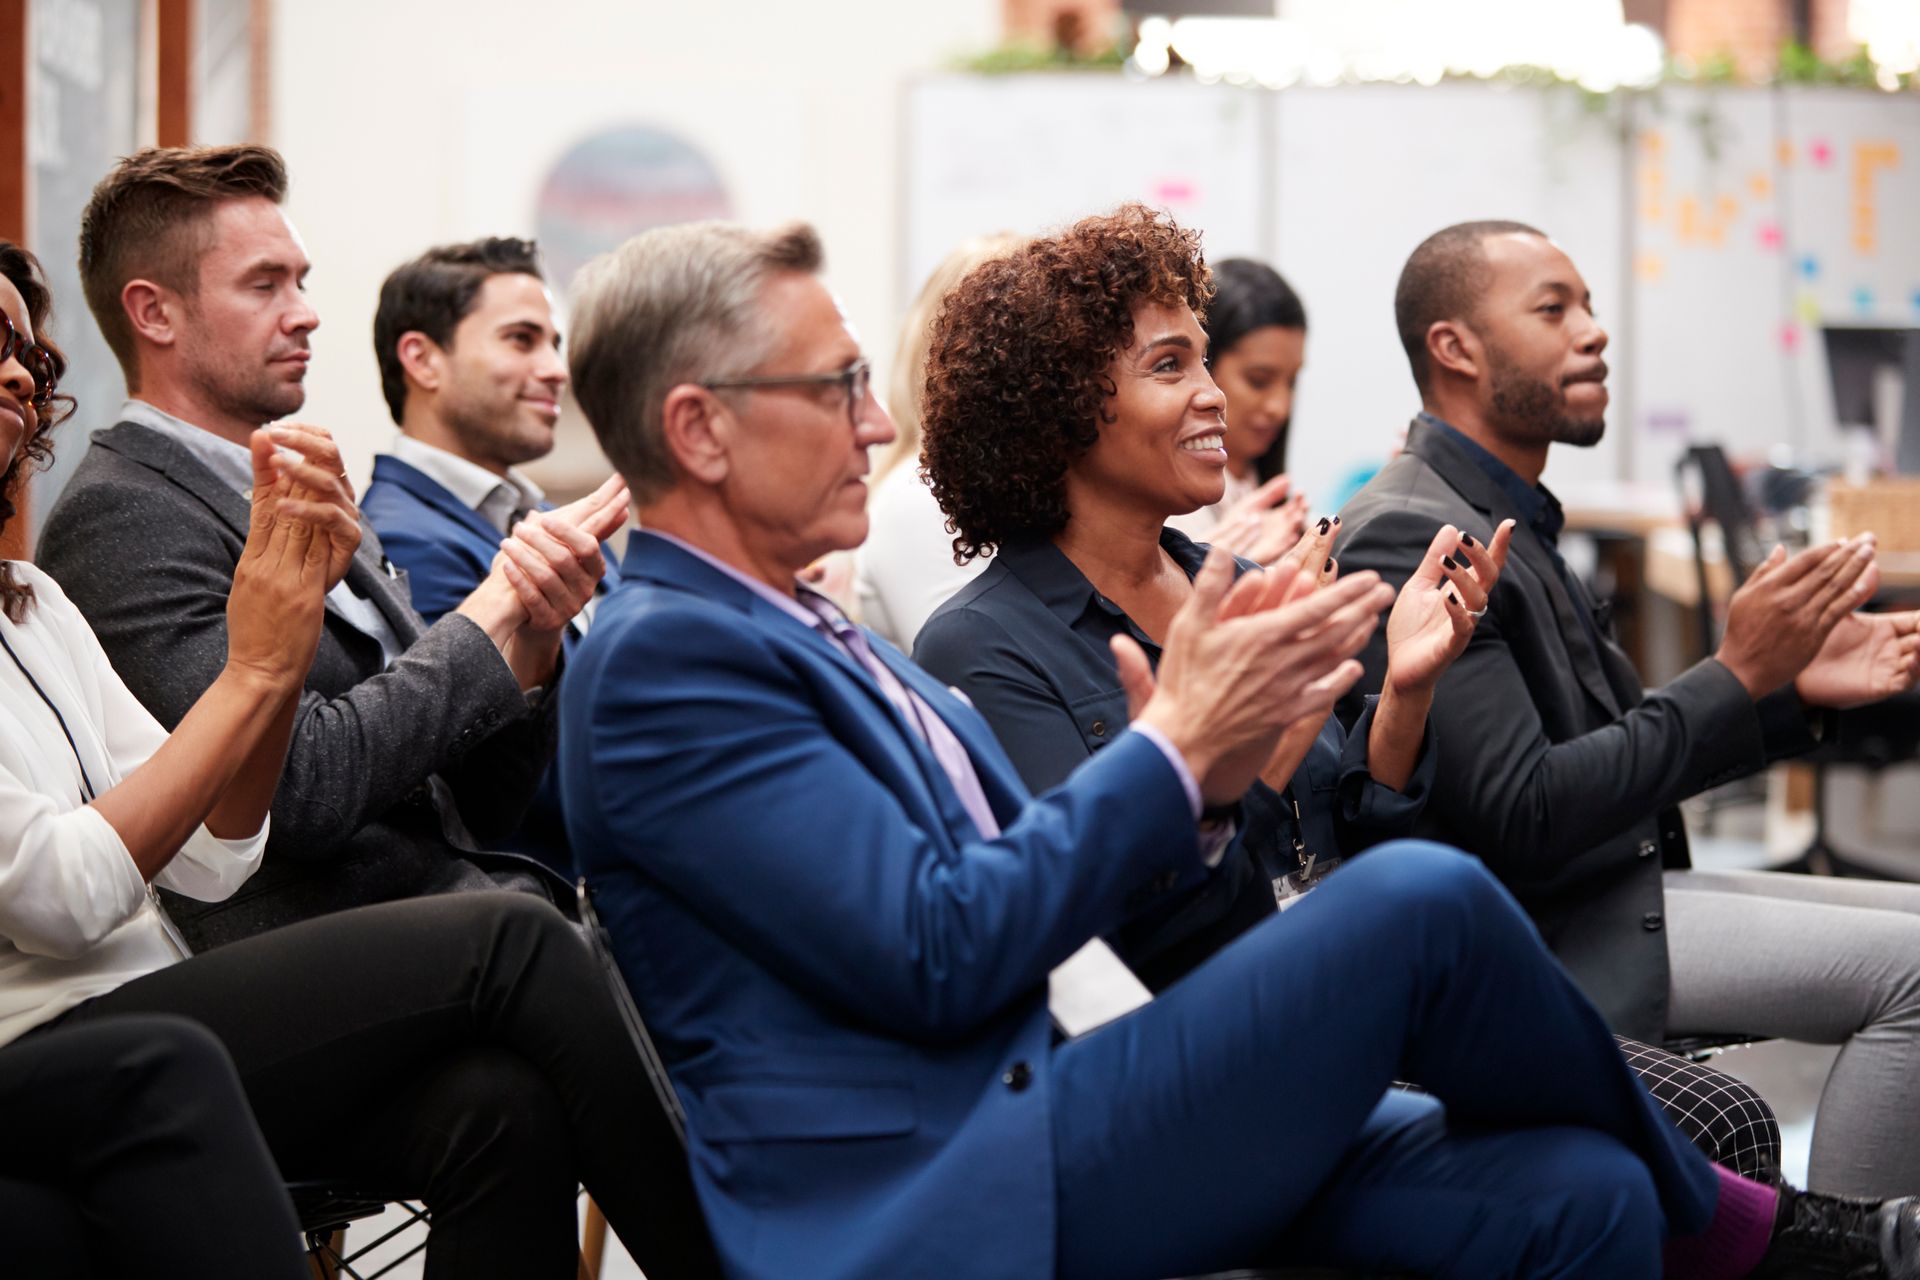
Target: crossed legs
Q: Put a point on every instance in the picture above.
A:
(460, 1049)
(1245, 1114)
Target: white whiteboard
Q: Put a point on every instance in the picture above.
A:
(1714, 251)
(1030, 153)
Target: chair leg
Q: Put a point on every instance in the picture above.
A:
(323, 1258)
(593, 1242)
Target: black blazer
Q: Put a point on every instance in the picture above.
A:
(1561, 772)
(1026, 642)
(145, 540)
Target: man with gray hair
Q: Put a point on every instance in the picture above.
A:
(847, 922)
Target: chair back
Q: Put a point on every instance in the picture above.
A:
(602, 946)
(1710, 494)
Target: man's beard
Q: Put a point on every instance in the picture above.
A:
(1534, 409)
(488, 432)
(261, 398)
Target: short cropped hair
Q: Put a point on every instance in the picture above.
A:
(673, 305)
(151, 218)
(1017, 384)
(1443, 280)
(433, 293)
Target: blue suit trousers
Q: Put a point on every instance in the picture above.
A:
(1256, 1092)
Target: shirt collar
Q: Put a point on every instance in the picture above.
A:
(1535, 503)
(231, 463)
(784, 603)
(480, 490)
(1046, 571)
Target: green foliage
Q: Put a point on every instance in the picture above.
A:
(1798, 64)
(1018, 56)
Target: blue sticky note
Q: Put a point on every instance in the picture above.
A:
(1809, 266)
(1863, 299)
(1916, 299)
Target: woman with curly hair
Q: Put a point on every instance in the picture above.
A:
(1070, 414)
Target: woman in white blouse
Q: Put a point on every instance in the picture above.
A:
(463, 1050)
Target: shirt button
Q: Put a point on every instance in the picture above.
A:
(1017, 1077)
(1098, 728)
(1650, 922)
(1648, 848)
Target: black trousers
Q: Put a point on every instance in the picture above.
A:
(462, 1050)
(128, 1150)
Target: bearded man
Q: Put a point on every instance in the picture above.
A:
(1561, 772)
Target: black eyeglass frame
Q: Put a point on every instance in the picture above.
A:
(34, 358)
(856, 379)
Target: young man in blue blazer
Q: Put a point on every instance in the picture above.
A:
(470, 366)
(842, 915)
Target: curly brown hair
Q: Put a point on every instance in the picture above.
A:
(22, 269)
(1017, 379)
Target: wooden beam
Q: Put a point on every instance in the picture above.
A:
(13, 120)
(13, 203)
(174, 114)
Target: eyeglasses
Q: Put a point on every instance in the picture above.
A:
(854, 379)
(33, 357)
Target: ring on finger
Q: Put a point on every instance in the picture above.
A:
(1477, 614)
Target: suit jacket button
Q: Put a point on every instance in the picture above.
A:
(1650, 922)
(1017, 1077)
(1098, 728)
(1647, 849)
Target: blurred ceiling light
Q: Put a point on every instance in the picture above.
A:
(1325, 42)
(1891, 31)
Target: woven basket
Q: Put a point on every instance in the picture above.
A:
(1889, 508)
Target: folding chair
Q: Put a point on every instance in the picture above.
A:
(324, 1210)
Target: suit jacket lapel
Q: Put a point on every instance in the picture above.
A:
(431, 493)
(367, 577)
(150, 448)
(1473, 484)
(652, 557)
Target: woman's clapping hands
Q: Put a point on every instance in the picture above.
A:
(1436, 611)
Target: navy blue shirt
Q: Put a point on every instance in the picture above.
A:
(1027, 642)
(1536, 504)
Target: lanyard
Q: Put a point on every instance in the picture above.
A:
(88, 795)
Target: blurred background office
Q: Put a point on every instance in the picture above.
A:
(1737, 179)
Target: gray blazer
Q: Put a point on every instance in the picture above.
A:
(145, 540)
(1560, 770)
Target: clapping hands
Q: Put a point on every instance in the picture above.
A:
(1434, 617)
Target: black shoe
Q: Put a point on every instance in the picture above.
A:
(1832, 1238)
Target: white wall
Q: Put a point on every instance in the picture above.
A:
(407, 123)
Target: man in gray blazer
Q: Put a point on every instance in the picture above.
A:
(1559, 770)
(414, 747)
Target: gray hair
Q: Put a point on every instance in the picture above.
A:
(671, 306)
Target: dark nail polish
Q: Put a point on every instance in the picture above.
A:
(1466, 539)
(1329, 568)
(1325, 524)
(1448, 561)
(1336, 519)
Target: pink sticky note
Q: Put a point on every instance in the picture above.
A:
(1789, 336)
(1769, 234)
(1173, 191)
(1821, 152)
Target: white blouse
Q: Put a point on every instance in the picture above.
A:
(905, 569)
(76, 919)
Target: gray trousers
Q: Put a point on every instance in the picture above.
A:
(1823, 961)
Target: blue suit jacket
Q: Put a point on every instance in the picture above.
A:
(847, 981)
(445, 548)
